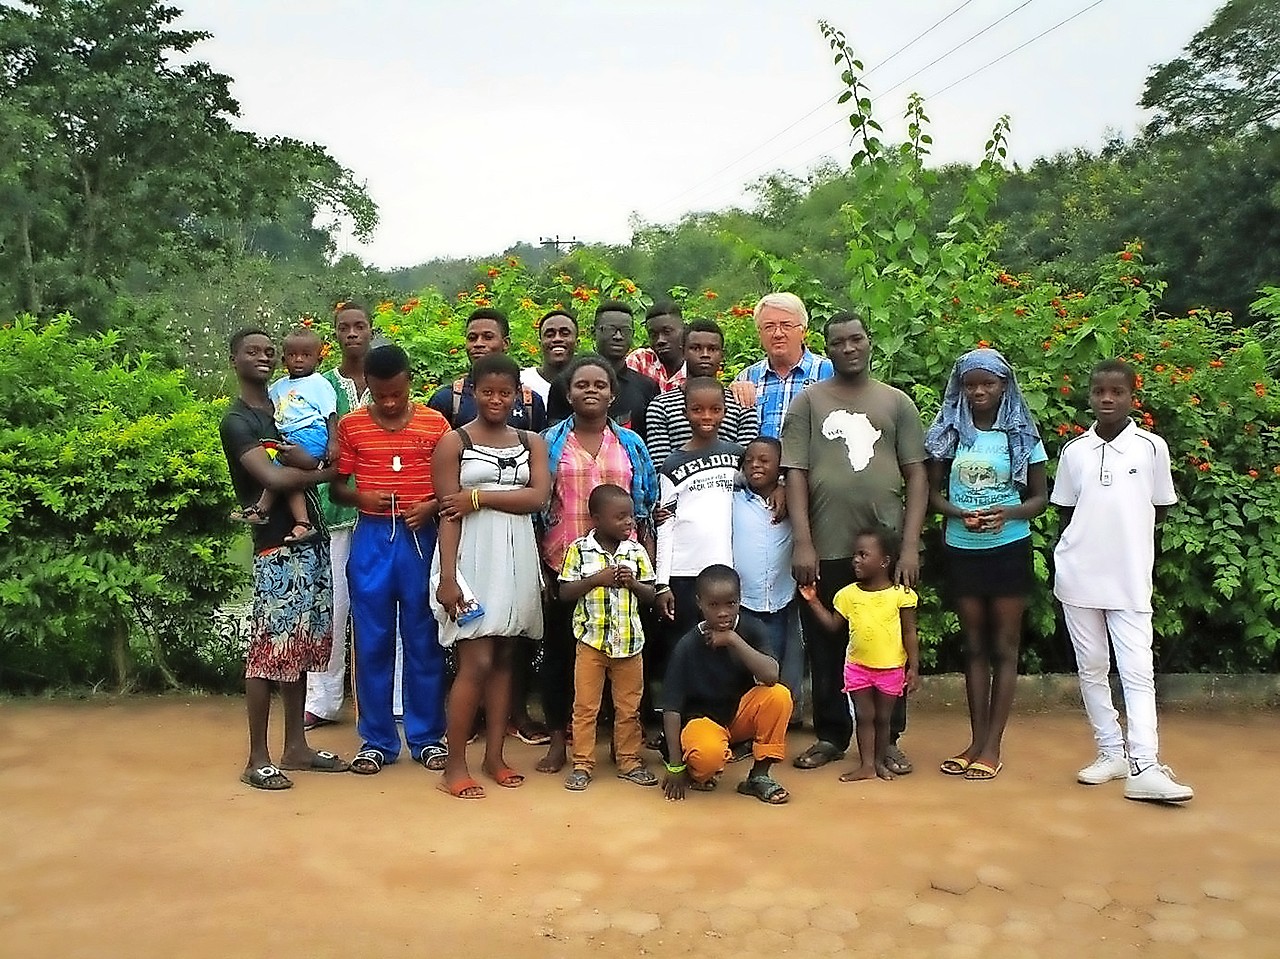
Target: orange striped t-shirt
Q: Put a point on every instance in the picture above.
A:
(398, 461)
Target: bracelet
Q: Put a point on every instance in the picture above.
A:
(475, 501)
(676, 770)
(660, 589)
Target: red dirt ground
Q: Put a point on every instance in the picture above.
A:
(127, 833)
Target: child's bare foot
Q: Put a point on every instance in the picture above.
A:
(884, 772)
(859, 774)
(301, 533)
(556, 756)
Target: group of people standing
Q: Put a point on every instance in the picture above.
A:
(687, 546)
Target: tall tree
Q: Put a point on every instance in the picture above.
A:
(1227, 81)
(119, 148)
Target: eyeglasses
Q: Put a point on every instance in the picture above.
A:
(771, 328)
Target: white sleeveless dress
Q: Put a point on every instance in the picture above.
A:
(497, 553)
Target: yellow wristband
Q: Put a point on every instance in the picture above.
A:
(475, 501)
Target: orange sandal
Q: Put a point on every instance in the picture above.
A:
(508, 777)
(459, 790)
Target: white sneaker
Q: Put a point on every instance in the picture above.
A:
(1104, 769)
(1155, 783)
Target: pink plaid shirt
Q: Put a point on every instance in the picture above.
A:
(576, 475)
(645, 361)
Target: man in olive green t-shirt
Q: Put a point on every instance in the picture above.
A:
(325, 689)
(850, 445)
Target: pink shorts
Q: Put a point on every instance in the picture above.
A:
(891, 681)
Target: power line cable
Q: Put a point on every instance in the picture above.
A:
(1002, 56)
(958, 46)
(831, 99)
(920, 36)
(990, 63)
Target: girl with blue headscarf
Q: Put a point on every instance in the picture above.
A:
(987, 479)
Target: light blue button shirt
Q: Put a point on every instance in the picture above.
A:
(761, 554)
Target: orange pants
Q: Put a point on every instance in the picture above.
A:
(626, 676)
(763, 714)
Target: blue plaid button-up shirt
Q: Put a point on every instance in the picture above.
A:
(774, 393)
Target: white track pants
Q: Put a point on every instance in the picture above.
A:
(1094, 633)
(325, 689)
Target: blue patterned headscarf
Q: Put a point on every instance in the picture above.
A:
(953, 426)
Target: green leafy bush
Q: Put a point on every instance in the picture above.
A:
(113, 512)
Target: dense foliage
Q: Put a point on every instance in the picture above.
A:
(113, 513)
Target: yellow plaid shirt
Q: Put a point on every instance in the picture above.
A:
(608, 617)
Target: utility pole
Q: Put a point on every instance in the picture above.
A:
(559, 245)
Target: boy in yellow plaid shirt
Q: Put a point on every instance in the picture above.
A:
(609, 575)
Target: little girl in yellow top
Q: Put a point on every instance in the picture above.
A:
(881, 618)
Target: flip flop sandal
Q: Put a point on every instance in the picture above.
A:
(268, 777)
(577, 780)
(955, 766)
(531, 736)
(818, 755)
(323, 762)
(508, 777)
(982, 772)
(897, 762)
(311, 721)
(641, 776)
(433, 758)
(367, 762)
(459, 789)
(765, 788)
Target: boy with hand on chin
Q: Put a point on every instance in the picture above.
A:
(1113, 485)
(722, 687)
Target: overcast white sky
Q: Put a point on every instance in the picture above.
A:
(478, 124)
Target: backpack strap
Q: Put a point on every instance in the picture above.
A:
(464, 438)
(523, 436)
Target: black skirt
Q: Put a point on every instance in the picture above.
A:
(996, 572)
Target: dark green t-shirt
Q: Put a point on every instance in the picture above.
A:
(852, 445)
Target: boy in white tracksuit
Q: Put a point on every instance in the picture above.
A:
(1113, 485)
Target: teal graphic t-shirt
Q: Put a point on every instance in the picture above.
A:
(982, 476)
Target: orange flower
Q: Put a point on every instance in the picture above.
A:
(393, 328)
(1019, 311)
(1204, 442)
(1276, 470)
(413, 301)
(1205, 466)
(1137, 381)
(1216, 364)
(307, 322)
(1064, 390)
(481, 288)
(1137, 404)
(526, 303)
(1126, 255)
(581, 294)
(711, 294)
(1055, 302)
(983, 345)
(1077, 429)
(454, 351)
(628, 286)
(1139, 357)
(1253, 474)
(1062, 311)
(493, 271)
(1047, 344)
(463, 294)
(386, 306)
(1165, 344)
(512, 261)
(1259, 390)
(483, 301)
(955, 301)
(740, 311)
(406, 308)
(1159, 367)
(1063, 429)
(1148, 420)
(325, 350)
(1194, 401)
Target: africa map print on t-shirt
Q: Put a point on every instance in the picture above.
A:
(857, 433)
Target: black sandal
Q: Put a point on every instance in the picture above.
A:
(367, 762)
(251, 515)
(433, 757)
(309, 532)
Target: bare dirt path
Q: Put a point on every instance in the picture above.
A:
(126, 833)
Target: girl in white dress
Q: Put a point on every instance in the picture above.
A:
(490, 480)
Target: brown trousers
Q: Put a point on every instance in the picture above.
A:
(627, 678)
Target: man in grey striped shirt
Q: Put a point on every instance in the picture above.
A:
(666, 428)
